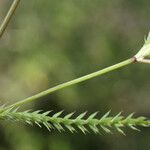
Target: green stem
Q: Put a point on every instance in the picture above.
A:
(73, 82)
(8, 17)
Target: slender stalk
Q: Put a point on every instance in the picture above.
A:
(146, 61)
(73, 82)
(8, 16)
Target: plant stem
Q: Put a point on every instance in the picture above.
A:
(146, 61)
(8, 16)
(73, 82)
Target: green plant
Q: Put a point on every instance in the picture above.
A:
(106, 123)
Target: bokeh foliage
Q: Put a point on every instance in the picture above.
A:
(50, 42)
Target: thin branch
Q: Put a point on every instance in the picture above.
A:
(73, 82)
(146, 61)
(8, 17)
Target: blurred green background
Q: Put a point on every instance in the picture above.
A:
(49, 42)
